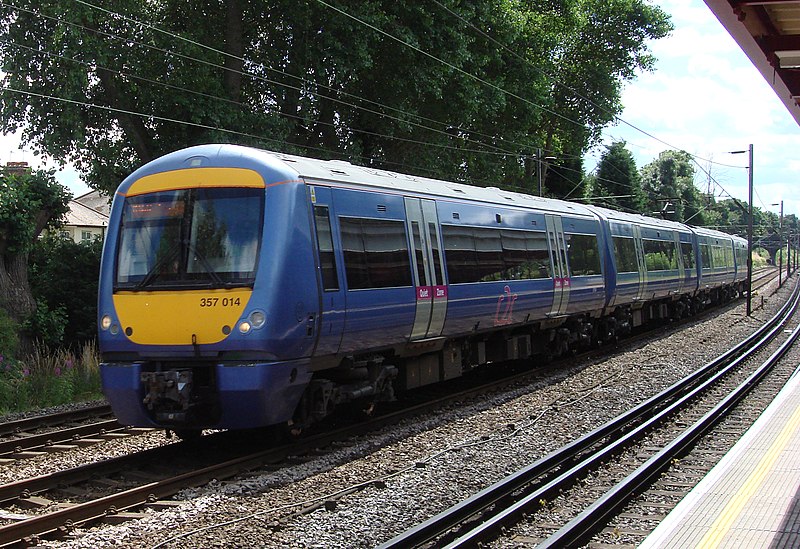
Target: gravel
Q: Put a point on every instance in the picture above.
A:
(365, 492)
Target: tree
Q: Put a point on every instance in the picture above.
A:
(668, 185)
(305, 78)
(604, 44)
(617, 181)
(29, 204)
(565, 179)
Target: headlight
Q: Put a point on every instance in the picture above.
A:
(105, 322)
(257, 319)
(244, 327)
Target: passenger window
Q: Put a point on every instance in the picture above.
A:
(489, 253)
(327, 258)
(418, 252)
(375, 253)
(538, 265)
(705, 256)
(625, 254)
(660, 255)
(475, 254)
(459, 253)
(584, 259)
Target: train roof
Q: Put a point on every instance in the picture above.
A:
(282, 166)
(702, 231)
(613, 215)
(337, 171)
(639, 219)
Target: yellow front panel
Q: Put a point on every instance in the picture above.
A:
(173, 317)
(191, 178)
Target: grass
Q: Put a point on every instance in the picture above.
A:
(49, 378)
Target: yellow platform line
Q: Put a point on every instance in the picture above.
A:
(733, 509)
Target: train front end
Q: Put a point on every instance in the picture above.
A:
(193, 276)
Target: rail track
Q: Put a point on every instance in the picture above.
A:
(130, 483)
(525, 494)
(62, 431)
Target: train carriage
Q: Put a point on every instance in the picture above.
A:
(242, 288)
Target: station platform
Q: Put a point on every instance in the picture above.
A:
(750, 498)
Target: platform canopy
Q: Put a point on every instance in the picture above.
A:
(768, 31)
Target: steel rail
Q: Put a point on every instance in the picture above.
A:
(62, 436)
(581, 528)
(649, 411)
(34, 485)
(63, 519)
(85, 512)
(49, 420)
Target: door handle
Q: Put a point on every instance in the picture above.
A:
(310, 325)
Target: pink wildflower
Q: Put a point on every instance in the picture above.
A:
(57, 371)
(68, 364)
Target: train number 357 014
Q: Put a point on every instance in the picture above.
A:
(220, 301)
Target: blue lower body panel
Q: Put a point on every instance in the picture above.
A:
(246, 396)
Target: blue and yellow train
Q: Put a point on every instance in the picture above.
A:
(242, 288)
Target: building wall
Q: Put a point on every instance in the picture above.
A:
(80, 234)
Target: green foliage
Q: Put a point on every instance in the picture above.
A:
(29, 203)
(64, 276)
(46, 325)
(305, 78)
(760, 258)
(617, 182)
(46, 378)
(668, 185)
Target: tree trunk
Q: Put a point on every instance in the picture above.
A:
(15, 294)
(235, 47)
(132, 125)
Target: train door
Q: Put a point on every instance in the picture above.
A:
(558, 259)
(427, 267)
(637, 239)
(332, 301)
(679, 256)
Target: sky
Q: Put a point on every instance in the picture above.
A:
(707, 98)
(704, 97)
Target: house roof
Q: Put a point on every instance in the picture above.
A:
(96, 201)
(80, 215)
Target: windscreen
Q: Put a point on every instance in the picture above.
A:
(190, 238)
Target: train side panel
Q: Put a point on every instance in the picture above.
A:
(374, 250)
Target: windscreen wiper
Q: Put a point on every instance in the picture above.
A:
(153, 273)
(215, 278)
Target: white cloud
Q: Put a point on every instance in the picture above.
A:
(706, 97)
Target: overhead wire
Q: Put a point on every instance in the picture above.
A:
(498, 150)
(561, 84)
(389, 35)
(148, 116)
(305, 80)
(497, 88)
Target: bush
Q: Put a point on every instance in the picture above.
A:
(760, 258)
(46, 326)
(48, 378)
(64, 276)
